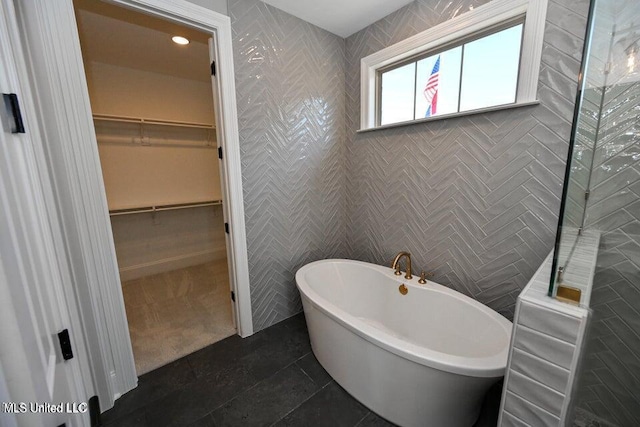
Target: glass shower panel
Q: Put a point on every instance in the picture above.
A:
(601, 204)
(581, 153)
(608, 391)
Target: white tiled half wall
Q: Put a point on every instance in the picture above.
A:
(545, 351)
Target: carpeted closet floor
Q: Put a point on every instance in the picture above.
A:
(178, 312)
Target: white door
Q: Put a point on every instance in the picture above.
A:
(213, 56)
(32, 307)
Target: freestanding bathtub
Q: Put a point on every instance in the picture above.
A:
(425, 358)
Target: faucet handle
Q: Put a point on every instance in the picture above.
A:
(397, 272)
(424, 276)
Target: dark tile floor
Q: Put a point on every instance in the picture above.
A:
(270, 378)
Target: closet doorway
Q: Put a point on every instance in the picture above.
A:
(154, 117)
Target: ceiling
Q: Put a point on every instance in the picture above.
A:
(341, 17)
(114, 35)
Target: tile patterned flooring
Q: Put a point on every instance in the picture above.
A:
(178, 312)
(268, 379)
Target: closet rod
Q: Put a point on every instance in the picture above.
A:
(160, 208)
(127, 119)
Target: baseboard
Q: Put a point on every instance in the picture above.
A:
(173, 263)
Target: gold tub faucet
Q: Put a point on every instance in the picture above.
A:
(396, 264)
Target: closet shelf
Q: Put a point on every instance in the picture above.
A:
(161, 208)
(145, 121)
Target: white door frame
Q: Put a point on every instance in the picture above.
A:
(59, 82)
(219, 26)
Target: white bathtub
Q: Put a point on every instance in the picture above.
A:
(426, 358)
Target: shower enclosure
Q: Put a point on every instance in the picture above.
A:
(601, 216)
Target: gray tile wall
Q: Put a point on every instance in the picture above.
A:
(616, 165)
(474, 199)
(610, 380)
(291, 111)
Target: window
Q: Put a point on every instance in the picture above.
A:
(487, 58)
(478, 74)
(423, 88)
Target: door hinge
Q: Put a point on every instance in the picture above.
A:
(213, 68)
(220, 153)
(226, 227)
(65, 344)
(233, 296)
(13, 106)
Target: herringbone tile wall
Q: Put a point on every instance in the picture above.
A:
(291, 111)
(474, 199)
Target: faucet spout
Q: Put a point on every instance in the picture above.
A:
(396, 264)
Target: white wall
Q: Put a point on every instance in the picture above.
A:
(152, 243)
(140, 176)
(170, 170)
(219, 6)
(163, 173)
(129, 92)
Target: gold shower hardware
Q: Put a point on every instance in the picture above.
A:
(569, 294)
(403, 289)
(396, 264)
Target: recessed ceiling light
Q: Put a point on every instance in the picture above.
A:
(180, 40)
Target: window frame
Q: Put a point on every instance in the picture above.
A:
(461, 42)
(469, 26)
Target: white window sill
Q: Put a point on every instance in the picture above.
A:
(450, 116)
